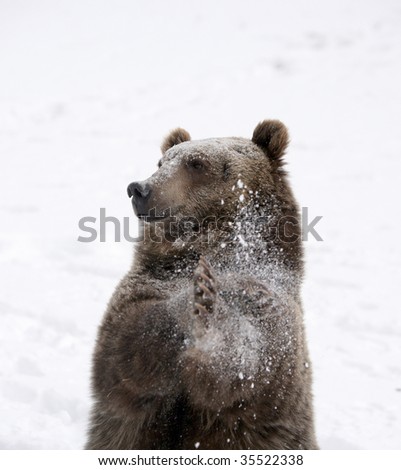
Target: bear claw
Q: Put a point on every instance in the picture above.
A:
(204, 288)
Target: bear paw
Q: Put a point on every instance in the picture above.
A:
(204, 289)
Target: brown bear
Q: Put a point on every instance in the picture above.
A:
(203, 344)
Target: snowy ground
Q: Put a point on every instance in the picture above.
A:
(88, 89)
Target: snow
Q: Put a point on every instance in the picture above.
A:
(87, 91)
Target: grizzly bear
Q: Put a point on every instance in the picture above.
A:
(203, 345)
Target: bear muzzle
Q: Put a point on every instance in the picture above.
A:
(140, 196)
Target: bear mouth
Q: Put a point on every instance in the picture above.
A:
(143, 212)
(153, 215)
(157, 215)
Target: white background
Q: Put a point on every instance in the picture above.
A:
(87, 91)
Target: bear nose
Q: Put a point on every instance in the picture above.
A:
(140, 194)
(139, 191)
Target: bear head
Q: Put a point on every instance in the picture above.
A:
(220, 193)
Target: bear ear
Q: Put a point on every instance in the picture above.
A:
(177, 136)
(272, 137)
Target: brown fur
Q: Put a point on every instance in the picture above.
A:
(177, 136)
(210, 351)
(272, 136)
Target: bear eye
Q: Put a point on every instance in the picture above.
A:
(196, 164)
